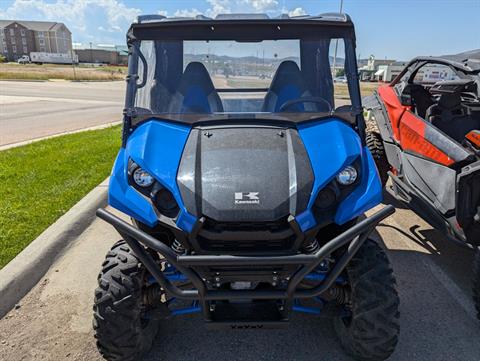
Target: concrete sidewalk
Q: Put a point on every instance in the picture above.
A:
(53, 321)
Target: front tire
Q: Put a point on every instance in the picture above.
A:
(370, 330)
(375, 145)
(120, 323)
(476, 282)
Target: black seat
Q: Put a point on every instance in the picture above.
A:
(195, 92)
(287, 84)
(422, 99)
(449, 116)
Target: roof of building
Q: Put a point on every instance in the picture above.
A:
(121, 49)
(34, 25)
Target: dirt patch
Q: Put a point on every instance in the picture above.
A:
(67, 72)
(42, 329)
(365, 89)
(54, 321)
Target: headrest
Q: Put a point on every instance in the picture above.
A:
(288, 73)
(196, 74)
(449, 101)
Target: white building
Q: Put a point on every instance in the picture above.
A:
(386, 73)
(435, 73)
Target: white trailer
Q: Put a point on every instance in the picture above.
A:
(53, 58)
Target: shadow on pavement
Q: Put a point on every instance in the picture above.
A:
(433, 324)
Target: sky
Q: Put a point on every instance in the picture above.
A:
(393, 29)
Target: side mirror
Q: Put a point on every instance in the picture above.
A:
(406, 96)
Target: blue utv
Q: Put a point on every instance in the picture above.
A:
(246, 174)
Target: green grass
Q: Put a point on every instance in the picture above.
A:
(41, 181)
(247, 83)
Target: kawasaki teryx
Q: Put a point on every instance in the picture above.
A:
(246, 184)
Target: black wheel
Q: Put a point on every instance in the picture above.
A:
(375, 145)
(476, 282)
(121, 324)
(369, 328)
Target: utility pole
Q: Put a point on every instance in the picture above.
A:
(91, 53)
(336, 47)
(72, 54)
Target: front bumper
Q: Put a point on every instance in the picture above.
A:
(188, 264)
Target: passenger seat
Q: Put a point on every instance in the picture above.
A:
(449, 116)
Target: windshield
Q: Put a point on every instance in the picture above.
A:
(221, 77)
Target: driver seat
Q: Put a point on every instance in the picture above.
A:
(449, 116)
(195, 92)
(287, 84)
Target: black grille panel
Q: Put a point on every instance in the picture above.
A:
(246, 237)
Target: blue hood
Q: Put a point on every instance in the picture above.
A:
(157, 147)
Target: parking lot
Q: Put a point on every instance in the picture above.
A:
(53, 322)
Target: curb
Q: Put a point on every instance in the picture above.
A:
(19, 276)
(64, 80)
(27, 80)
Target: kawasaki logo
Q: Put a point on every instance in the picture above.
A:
(247, 198)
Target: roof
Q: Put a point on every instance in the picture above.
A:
(338, 17)
(34, 25)
(241, 27)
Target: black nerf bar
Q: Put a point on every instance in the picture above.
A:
(356, 235)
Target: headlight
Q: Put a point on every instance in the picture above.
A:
(326, 198)
(166, 203)
(142, 178)
(347, 176)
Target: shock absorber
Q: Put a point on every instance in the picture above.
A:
(341, 295)
(310, 246)
(178, 247)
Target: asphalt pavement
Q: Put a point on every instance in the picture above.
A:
(32, 110)
(53, 322)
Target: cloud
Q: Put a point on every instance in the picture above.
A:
(106, 21)
(216, 7)
(107, 17)
(296, 12)
(262, 5)
(187, 13)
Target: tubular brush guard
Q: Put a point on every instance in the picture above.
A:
(185, 264)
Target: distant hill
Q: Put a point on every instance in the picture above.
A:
(251, 59)
(471, 54)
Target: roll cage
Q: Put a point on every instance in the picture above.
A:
(465, 67)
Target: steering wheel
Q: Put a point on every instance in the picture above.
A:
(317, 100)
